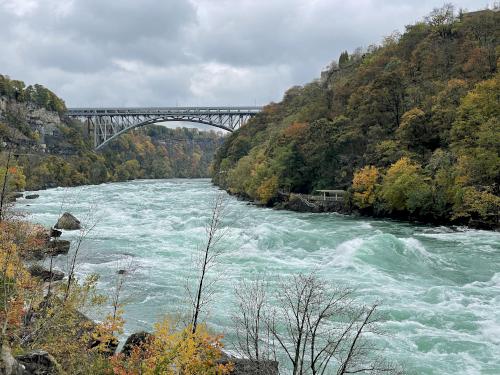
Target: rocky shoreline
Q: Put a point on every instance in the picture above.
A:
(288, 202)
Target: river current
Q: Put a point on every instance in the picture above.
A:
(439, 287)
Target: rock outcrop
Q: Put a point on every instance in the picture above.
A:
(135, 340)
(58, 247)
(32, 196)
(68, 222)
(39, 362)
(244, 366)
(45, 274)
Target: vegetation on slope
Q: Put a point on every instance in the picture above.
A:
(409, 127)
(33, 116)
(46, 316)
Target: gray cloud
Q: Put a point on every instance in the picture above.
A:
(189, 52)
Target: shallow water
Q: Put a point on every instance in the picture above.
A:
(439, 288)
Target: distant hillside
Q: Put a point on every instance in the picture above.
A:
(52, 150)
(410, 128)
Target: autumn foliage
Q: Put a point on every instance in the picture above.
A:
(171, 351)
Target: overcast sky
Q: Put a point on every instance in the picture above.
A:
(189, 52)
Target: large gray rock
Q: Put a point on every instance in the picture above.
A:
(68, 222)
(32, 196)
(39, 362)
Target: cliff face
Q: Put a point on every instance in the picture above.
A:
(32, 128)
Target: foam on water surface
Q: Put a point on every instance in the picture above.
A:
(439, 287)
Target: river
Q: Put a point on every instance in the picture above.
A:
(439, 287)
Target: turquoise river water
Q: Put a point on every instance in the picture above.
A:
(439, 287)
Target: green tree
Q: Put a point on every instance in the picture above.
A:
(404, 188)
(343, 59)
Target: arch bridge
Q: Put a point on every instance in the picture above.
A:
(107, 124)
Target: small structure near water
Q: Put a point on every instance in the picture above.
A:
(330, 195)
(327, 200)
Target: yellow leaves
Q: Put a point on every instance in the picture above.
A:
(268, 189)
(15, 178)
(15, 282)
(476, 204)
(364, 183)
(173, 351)
(403, 165)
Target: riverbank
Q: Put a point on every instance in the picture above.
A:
(293, 202)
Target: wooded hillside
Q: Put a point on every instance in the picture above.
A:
(410, 127)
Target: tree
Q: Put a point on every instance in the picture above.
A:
(5, 176)
(171, 352)
(268, 189)
(364, 184)
(475, 137)
(208, 258)
(473, 205)
(254, 339)
(416, 132)
(442, 19)
(320, 329)
(404, 188)
(343, 59)
(88, 225)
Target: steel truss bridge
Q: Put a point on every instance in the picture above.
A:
(107, 124)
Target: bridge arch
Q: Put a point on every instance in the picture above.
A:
(107, 124)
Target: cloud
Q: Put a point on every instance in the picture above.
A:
(189, 52)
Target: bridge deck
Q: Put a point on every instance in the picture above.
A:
(138, 111)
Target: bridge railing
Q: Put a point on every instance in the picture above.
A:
(318, 198)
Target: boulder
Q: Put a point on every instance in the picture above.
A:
(54, 233)
(121, 272)
(39, 362)
(106, 348)
(135, 340)
(18, 195)
(57, 247)
(45, 274)
(32, 196)
(68, 222)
